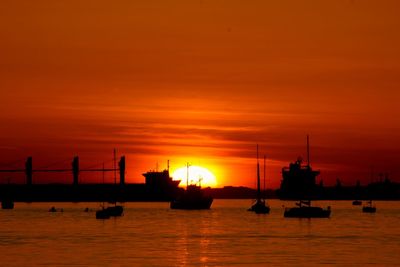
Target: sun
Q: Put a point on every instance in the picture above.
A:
(197, 175)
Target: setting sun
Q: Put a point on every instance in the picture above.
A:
(196, 175)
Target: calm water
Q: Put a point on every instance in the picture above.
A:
(150, 234)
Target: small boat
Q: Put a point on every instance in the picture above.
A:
(357, 203)
(306, 174)
(111, 211)
(259, 206)
(305, 210)
(53, 209)
(193, 198)
(369, 208)
(7, 204)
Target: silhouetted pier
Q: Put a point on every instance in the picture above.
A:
(75, 170)
(158, 186)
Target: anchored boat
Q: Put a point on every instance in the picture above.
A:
(111, 211)
(260, 206)
(306, 176)
(369, 208)
(192, 198)
(305, 210)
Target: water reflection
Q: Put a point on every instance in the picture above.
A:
(150, 234)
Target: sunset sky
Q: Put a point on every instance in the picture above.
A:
(202, 82)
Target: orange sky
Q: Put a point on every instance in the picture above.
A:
(203, 81)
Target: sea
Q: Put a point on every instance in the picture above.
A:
(151, 234)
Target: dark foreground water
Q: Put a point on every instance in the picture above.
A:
(150, 234)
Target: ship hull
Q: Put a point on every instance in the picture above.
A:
(307, 212)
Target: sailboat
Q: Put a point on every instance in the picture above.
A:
(111, 211)
(369, 208)
(303, 208)
(192, 198)
(259, 206)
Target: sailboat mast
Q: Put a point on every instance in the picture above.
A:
(115, 166)
(308, 150)
(258, 178)
(265, 188)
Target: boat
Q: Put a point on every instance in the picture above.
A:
(305, 210)
(369, 208)
(103, 213)
(116, 210)
(111, 211)
(357, 202)
(307, 177)
(192, 198)
(7, 204)
(53, 209)
(259, 205)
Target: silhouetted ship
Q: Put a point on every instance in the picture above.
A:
(299, 181)
(259, 206)
(192, 198)
(158, 182)
(369, 208)
(357, 203)
(7, 204)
